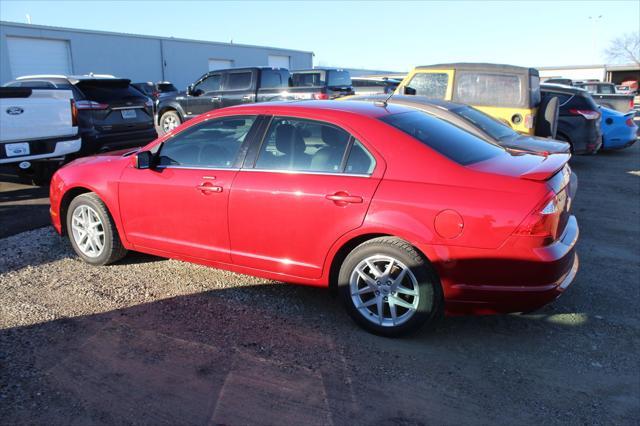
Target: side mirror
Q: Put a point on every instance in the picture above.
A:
(190, 89)
(143, 160)
(409, 90)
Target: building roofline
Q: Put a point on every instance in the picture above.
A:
(152, 37)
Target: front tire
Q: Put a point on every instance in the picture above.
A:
(91, 230)
(169, 121)
(388, 287)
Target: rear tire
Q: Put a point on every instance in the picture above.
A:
(169, 121)
(93, 235)
(388, 273)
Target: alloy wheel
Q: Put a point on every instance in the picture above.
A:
(169, 123)
(384, 290)
(88, 231)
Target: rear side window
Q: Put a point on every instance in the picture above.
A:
(475, 88)
(431, 85)
(238, 81)
(447, 139)
(338, 78)
(305, 145)
(607, 89)
(107, 91)
(274, 79)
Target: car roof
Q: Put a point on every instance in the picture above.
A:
(477, 66)
(368, 109)
(73, 79)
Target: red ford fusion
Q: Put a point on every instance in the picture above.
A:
(403, 215)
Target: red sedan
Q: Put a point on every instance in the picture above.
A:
(404, 215)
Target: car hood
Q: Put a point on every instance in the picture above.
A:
(535, 144)
(106, 157)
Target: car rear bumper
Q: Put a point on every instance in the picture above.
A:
(513, 278)
(44, 149)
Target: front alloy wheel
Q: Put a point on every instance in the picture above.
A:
(87, 230)
(388, 287)
(169, 121)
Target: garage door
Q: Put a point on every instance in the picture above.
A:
(279, 61)
(38, 56)
(220, 64)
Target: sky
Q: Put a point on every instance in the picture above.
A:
(378, 35)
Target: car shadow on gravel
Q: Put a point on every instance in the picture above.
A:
(274, 354)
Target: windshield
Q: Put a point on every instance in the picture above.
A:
(338, 78)
(488, 124)
(445, 138)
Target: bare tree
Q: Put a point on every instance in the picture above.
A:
(625, 48)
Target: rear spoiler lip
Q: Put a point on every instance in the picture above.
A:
(547, 168)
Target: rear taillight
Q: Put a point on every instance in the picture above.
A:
(543, 222)
(74, 113)
(631, 103)
(154, 95)
(629, 122)
(320, 96)
(586, 113)
(528, 121)
(91, 105)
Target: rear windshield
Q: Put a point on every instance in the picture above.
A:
(338, 78)
(167, 87)
(476, 88)
(445, 138)
(488, 124)
(108, 90)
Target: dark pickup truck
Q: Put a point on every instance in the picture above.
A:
(228, 87)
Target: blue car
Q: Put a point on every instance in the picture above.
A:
(618, 130)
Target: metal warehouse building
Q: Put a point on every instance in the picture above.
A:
(37, 49)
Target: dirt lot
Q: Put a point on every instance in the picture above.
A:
(154, 341)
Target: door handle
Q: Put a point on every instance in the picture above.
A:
(207, 187)
(246, 97)
(215, 98)
(343, 198)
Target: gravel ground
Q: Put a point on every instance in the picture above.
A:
(155, 341)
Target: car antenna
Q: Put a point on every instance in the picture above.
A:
(385, 102)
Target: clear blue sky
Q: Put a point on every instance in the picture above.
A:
(375, 35)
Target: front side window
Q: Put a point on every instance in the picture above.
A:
(431, 85)
(445, 138)
(303, 145)
(211, 144)
(238, 81)
(210, 84)
(476, 88)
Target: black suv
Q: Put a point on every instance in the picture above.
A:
(111, 113)
(228, 87)
(579, 117)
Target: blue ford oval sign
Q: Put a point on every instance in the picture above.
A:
(14, 110)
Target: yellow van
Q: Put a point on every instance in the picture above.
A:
(509, 93)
